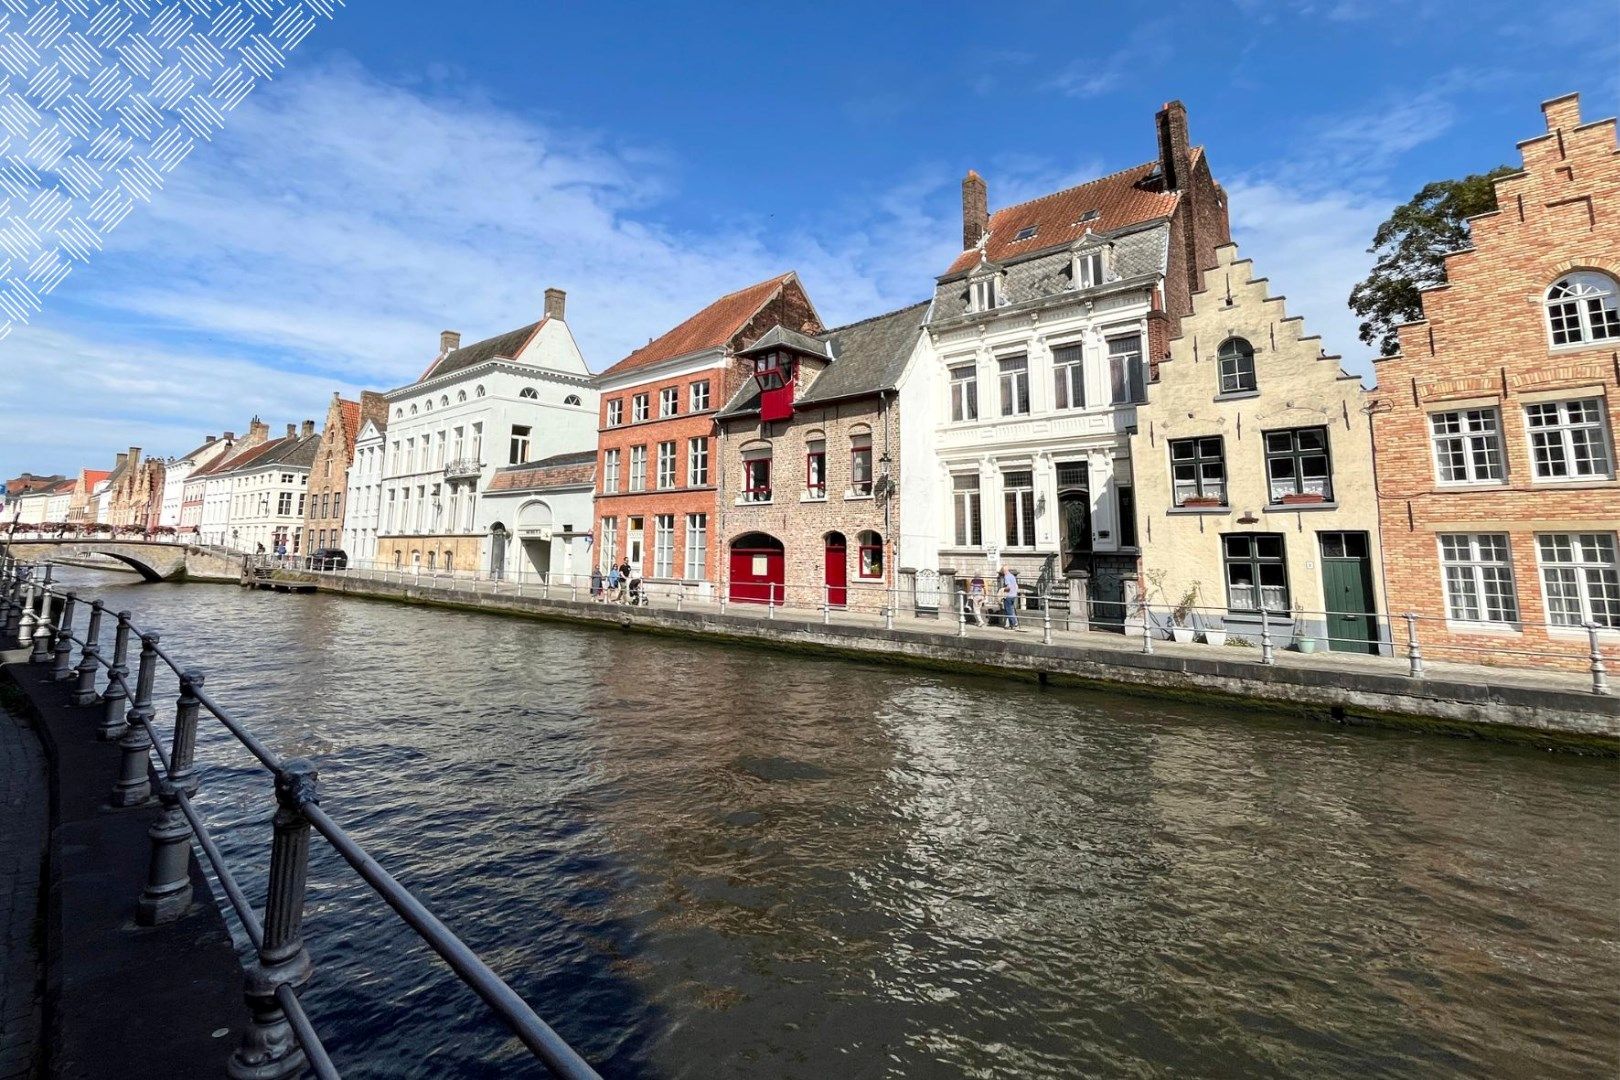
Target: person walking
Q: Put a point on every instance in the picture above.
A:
(1009, 598)
(596, 584)
(976, 600)
(624, 581)
(613, 580)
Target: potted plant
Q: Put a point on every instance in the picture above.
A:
(1302, 498)
(1303, 642)
(1181, 615)
(1215, 635)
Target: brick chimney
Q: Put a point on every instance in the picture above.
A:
(208, 440)
(449, 341)
(119, 463)
(554, 304)
(1175, 156)
(229, 436)
(975, 210)
(308, 429)
(258, 432)
(292, 431)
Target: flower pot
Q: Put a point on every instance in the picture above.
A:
(1302, 500)
(1306, 644)
(1215, 637)
(1183, 634)
(1200, 502)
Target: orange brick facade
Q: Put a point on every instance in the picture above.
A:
(1483, 349)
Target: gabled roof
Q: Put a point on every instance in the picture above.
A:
(576, 469)
(1122, 199)
(295, 452)
(780, 335)
(501, 346)
(350, 411)
(197, 450)
(232, 462)
(92, 477)
(708, 329)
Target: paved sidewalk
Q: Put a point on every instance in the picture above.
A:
(22, 851)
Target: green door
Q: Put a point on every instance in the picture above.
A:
(1347, 592)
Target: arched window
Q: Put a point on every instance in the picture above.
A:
(427, 406)
(1582, 307)
(871, 560)
(399, 414)
(461, 395)
(1236, 358)
(480, 391)
(413, 410)
(444, 399)
(529, 392)
(572, 399)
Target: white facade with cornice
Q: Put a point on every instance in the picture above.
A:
(363, 503)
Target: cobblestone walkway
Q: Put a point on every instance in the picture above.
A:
(22, 847)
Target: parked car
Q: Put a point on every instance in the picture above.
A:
(328, 559)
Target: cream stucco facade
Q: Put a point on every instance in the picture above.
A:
(1254, 474)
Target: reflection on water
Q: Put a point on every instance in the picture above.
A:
(715, 862)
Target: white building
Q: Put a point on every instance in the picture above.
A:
(175, 472)
(507, 400)
(542, 514)
(267, 493)
(364, 501)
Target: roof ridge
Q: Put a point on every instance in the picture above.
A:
(871, 318)
(1072, 187)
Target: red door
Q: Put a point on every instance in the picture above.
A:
(757, 569)
(837, 570)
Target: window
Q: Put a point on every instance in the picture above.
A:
(326, 505)
(615, 412)
(757, 476)
(478, 391)
(301, 498)
(664, 545)
(697, 461)
(964, 392)
(610, 472)
(571, 399)
(284, 503)
(1580, 576)
(519, 452)
(697, 546)
(1125, 375)
(1255, 572)
(815, 468)
(458, 449)
(1467, 446)
(427, 406)
(1026, 233)
(1088, 269)
(1068, 378)
(666, 466)
(965, 493)
(669, 401)
(610, 541)
(1581, 307)
(638, 408)
(286, 478)
(337, 504)
(1014, 386)
(871, 555)
(478, 442)
(860, 463)
(633, 539)
(1198, 470)
(1236, 361)
(700, 395)
(982, 294)
(528, 393)
(1297, 465)
(1568, 440)
(461, 395)
(1126, 495)
(638, 468)
(1018, 502)
(1477, 571)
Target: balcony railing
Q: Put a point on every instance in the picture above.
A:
(463, 468)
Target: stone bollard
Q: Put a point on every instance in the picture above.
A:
(1414, 653)
(770, 600)
(116, 696)
(62, 668)
(961, 613)
(1147, 631)
(269, 1050)
(134, 784)
(168, 878)
(84, 693)
(1600, 676)
(680, 591)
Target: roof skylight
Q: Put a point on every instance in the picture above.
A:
(1025, 233)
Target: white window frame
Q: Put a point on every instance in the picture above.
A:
(1020, 496)
(1090, 269)
(1472, 437)
(1069, 376)
(610, 542)
(610, 471)
(666, 465)
(1011, 380)
(1585, 569)
(1594, 290)
(640, 406)
(964, 524)
(669, 401)
(663, 546)
(638, 469)
(964, 390)
(984, 293)
(615, 412)
(1480, 568)
(697, 461)
(697, 546)
(700, 395)
(1561, 435)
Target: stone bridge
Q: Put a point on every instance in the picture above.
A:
(154, 560)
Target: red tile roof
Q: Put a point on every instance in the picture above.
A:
(713, 326)
(92, 477)
(1121, 199)
(561, 470)
(351, 425)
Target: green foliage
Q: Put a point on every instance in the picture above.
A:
(1411, 247)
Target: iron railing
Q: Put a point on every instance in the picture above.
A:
(280, 1041)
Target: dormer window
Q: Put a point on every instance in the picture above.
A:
(1088, 269)
(984, 294)
(773, 370)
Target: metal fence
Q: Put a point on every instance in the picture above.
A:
(280, 1040)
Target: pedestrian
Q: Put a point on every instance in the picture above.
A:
(976, 599)
(624, 581)
(1009, 598)
(613, 580)
(260, 551)
(596, 584)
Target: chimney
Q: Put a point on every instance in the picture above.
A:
(134, 455)
(308, 429)
(975, 210)
(229, 436)
(258, 431)
(1175, 159)
(449, 341)
(120, 463)
(1562, 113)
(209, 440)
(292, 431)
(554, 304)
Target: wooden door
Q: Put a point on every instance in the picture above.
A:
(1347, 592)
(837, 561)
(757, 569)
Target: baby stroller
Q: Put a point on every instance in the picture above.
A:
(637, 595)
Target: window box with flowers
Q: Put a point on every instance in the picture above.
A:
(1303, 498)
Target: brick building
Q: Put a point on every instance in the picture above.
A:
(329, 474)
(82, 506)
(135, 495)
(1494, 426)
(809, 453)
(655, 465)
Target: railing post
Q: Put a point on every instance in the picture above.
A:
(826, 604)
(770, 600)
(43, 629)
(961, 613)
(573, 591)
(27, 622)
(723, 590)
(84, 693)
(1147, 631)
(888, 609)
(1414, 652)
(14, 605)
(168, 879)
(134, 784)
(1046, 620)
(62, 670)
(680, 591)
(1600, 675)
(116, 697)
(1267, 653)
(269, 1050)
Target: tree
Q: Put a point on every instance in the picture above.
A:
(1411, 246)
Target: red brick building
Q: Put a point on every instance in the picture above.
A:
(656, 465)
(1494, 426)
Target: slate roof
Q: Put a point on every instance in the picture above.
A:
(1128, 197)
(868, 356)
(504, 346)
(559, 470)
(779, 335)
(232, 462)
(298, 451)
(712, 327)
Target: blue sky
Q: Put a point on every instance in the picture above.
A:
(422, 166)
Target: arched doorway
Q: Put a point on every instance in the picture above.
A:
(757, 569)
(534, 530)
(837, 569)
(1074, 515)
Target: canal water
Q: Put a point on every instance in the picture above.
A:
(709, 862)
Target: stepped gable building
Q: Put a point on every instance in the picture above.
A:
(329, 474)
(507, 400)
(656, 468)
(363, 509)
(1495, 424)
(546, 505)
(1046, 330)
(1252, 458)
(135, 495)
(809, 456)
(178, 469)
